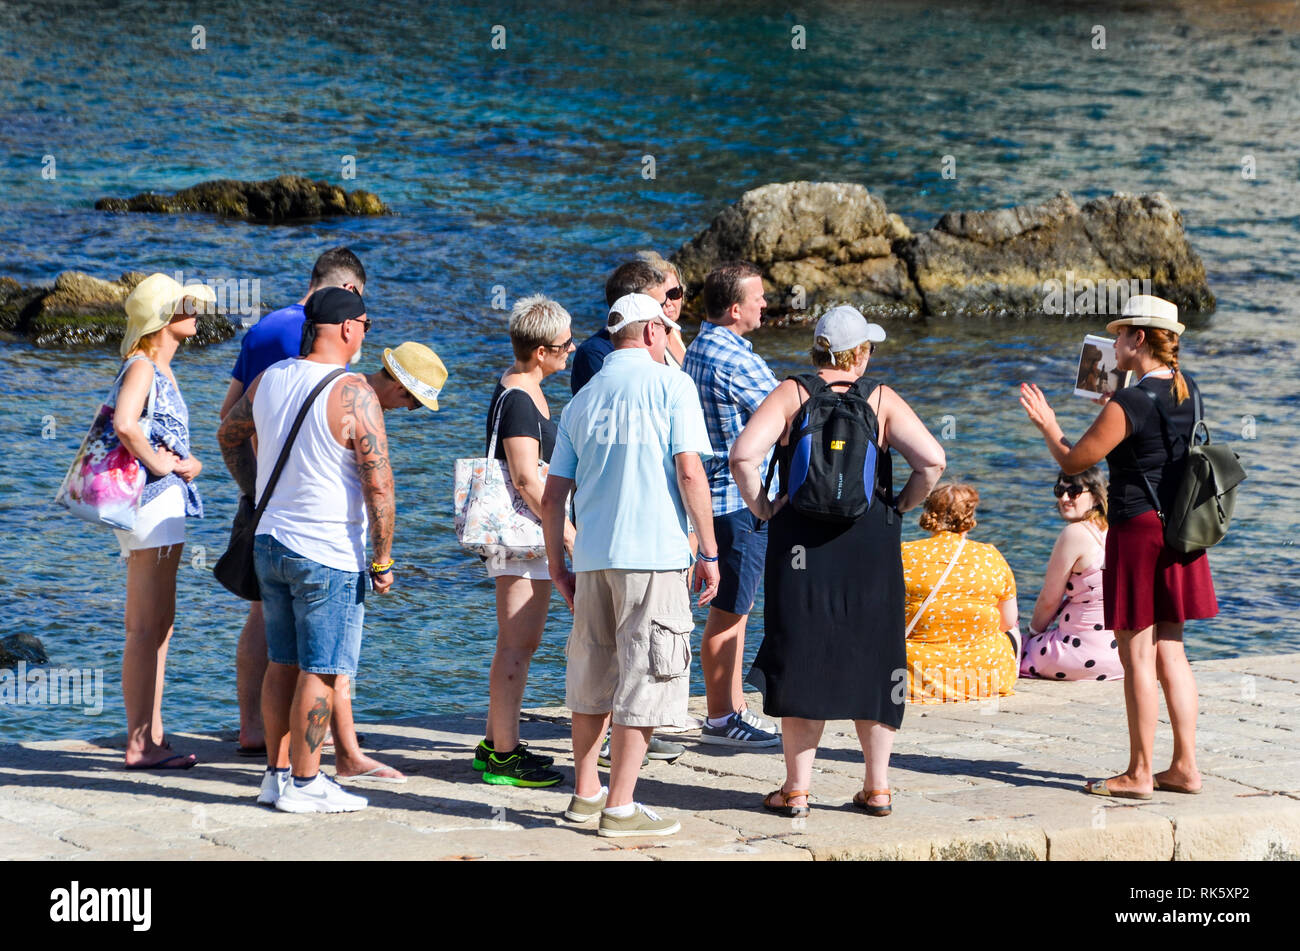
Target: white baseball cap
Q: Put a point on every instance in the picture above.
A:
(844, 328)
(633, 308)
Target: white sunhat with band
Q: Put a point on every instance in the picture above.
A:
(419, 370)
(1147, 310)
(633, 308)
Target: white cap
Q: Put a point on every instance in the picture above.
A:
(633, 308)
(1147, 310)
(844, 328)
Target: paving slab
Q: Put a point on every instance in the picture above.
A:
(989, 781)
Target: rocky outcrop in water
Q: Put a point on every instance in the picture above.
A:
(823, 243)
(286, 198)
(18, 647)
(80, 309)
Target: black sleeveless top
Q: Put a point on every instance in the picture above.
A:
(1155, 449)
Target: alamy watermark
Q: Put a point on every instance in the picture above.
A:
(236, 296)
(53, 687)
(1085, 296)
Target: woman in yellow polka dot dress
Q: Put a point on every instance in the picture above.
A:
(961, 602)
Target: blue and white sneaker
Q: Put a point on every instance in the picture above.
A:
(737, 733)
(760, 723)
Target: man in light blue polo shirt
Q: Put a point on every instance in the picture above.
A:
(631, 442)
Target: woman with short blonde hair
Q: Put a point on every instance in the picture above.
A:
(520, 426)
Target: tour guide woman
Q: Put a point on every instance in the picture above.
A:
(833, 640)
(1149, 589)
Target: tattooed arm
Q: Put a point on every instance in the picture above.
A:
(235, 437)
(363, 421)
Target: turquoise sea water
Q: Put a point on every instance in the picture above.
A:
(523, 168)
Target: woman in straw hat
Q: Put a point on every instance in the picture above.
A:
(1148, 589)
(160, 314)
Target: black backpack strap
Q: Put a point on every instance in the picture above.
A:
(288, 442)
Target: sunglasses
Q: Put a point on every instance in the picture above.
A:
(1073, 490)
(559, 346)
(674, 293)
(365, 322)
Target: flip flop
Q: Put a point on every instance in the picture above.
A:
(373, 775)
(190, 759)
(251, 752)
(1098, 787)
(1170, 787)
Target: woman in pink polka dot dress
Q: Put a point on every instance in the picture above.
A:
(1067, 638)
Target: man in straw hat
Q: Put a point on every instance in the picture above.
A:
(278, 336)
(336, 484)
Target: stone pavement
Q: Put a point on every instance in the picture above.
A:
(969, 782)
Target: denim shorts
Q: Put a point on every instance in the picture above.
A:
(742, 550)
(313, 613)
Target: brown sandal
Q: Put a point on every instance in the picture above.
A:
(860, 801)
(784, 808)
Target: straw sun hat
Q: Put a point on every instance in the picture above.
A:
(418, 369)
(151, 305)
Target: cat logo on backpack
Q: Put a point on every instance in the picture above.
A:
(837, 445)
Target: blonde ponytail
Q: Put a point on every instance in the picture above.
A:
(1163, 345)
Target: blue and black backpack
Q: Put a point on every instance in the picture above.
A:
(832, 451)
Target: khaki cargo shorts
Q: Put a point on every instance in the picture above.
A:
(630, 648)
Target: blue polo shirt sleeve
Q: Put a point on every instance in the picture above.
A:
(688, 432)
(564, 461)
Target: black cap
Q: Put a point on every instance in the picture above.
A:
(334, 305)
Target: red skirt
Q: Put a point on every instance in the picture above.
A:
(1145, 581)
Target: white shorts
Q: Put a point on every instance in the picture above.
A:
(534, 569)
(158, 524)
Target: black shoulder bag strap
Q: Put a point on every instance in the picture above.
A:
(288, 442)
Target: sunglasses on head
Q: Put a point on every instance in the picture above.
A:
(674, 293)
(1072, 489)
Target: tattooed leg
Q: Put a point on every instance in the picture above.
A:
(318, 722)
(313, 702)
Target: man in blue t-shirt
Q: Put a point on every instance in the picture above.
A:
(276, 337)
(630, 277)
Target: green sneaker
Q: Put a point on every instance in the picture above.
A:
(515, 770)
(582, 810)
(485, 749)
(642, 822)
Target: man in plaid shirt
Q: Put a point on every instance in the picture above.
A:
(733, 380)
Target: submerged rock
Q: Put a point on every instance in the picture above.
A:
(80, 309)
(286, 198)
(17, 647)
(824, 243)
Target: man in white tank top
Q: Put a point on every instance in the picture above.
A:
(311, 541)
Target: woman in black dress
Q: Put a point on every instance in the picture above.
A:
(833, 644)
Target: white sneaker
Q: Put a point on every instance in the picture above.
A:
(322, 794)
(273, 785)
